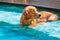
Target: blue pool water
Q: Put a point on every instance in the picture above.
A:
(10, 29)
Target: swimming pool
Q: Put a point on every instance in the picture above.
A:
(10, 29)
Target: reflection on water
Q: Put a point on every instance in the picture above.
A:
(10, 29)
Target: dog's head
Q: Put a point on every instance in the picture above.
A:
(30, 12)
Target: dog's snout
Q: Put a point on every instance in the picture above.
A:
(38, 16)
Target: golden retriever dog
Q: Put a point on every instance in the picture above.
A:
(45, 16)
(28, 16)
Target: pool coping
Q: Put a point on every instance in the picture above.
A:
(29, 5)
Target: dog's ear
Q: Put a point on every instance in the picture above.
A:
(24, 12)
(23, 17)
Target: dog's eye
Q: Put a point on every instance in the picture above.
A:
(33, 10)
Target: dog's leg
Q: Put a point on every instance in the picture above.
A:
(54, 17)
(34, 23)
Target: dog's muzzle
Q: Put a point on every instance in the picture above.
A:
(38, 16)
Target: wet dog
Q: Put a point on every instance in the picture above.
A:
(28, 16)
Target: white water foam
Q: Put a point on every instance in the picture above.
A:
(51, 28)
(10, 17)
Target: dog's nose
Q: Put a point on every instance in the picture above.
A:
(38, 16)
